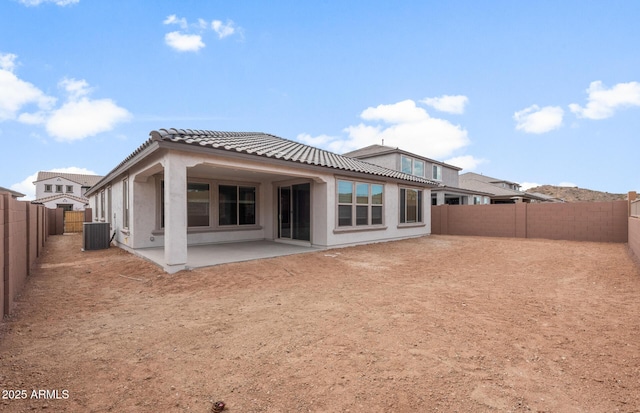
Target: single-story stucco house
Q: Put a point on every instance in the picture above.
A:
(183, 188)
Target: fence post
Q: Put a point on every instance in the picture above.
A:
(444, 221)
(631, 196)
(4, 252)
(521, 219)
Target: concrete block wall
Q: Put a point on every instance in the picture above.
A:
(482, 220)
(580, 221)
(3, 254)
(22, 236)
(634, 236)
(15, 239)
(55, 219)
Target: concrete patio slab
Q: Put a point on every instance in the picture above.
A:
(214, 254)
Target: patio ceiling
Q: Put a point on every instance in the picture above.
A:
(217, 172)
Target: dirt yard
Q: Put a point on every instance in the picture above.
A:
(449, 324)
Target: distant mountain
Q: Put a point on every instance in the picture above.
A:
(575, 194)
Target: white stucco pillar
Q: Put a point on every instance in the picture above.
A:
(175, 214)
(439, 198)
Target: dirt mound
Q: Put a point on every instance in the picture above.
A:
(575, 194)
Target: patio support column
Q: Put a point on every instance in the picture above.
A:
(439, 198)
(175, 214)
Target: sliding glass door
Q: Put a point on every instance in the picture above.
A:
(294, 212)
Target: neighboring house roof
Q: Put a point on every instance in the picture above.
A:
(477, 182)
(84, 180)
(547, 197)
(14, 194)
(58, 196)
(466, 191)
(266, 146)
(376, 150)
(485, 178)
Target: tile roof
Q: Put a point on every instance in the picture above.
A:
(58, 196)
(14, 194)
(374, 150)
(370, 150)
(477, 182)
(271, 147)
(84, 180)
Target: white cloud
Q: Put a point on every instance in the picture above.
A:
(539, 120)
(568, 184)
(78, 119)
(401, 112)
(27, 187)
(525, 186)
(402, 125)
(16, 93)
(8, 61)
(184, 42)
(222, 29)
(75, 88)
(36, 118)
(203, 24)
(317, 141)
(56, 2)
(173, 19)
(448, 103)
(467, 162)
(602, 102)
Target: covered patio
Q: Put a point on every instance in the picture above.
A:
(199, 256)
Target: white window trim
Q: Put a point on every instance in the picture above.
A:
(214, 221)
(421, 204)
(126, 204)
(413, 166)
(354, 227)
(439, 169)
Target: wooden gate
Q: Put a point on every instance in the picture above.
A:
(73, 221)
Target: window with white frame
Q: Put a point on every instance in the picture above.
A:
(102, 205)
(418, 168)
(410, 206)
(412, 166)
(48, 188)
(58, 188)
(360, 203)
(125, 203)
(69, 189)
(236, 205)
(198, 204)
(437, 172)
(406, 165)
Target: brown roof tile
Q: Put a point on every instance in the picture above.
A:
(270, 146)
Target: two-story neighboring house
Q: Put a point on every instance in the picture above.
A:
(400, 160)
(63, 190)
(502, 191)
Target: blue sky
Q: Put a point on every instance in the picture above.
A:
(536, 92)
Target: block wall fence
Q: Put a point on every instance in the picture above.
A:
(634, 225)
(23, 232)
(575, 221)
(24, 229)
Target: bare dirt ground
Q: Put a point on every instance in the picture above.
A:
(442, 323)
